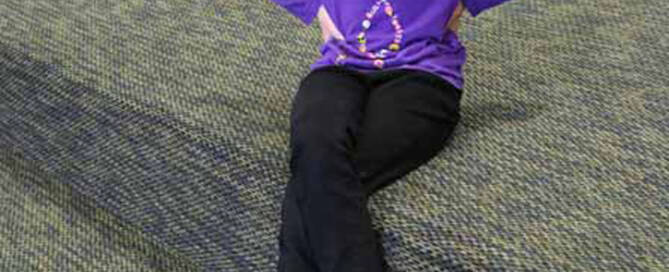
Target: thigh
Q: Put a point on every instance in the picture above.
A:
(326, 115)
(408, 120)
(329, 99)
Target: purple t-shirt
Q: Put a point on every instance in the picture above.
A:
(391, 34)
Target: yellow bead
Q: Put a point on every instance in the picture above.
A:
(394, 47)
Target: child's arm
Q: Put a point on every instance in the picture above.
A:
(305, 10)
(475, 7)
(454, 22)
(328, 27)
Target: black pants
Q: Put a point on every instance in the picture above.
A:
(352, 134)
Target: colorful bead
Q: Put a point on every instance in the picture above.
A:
(389, 10)
(340, 57)
(395, 46)
(378, 63)
(366, 24)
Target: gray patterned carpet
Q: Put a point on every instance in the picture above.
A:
(153, 136)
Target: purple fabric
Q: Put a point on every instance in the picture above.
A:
(305, 10)
(475, 7)
(426, 45)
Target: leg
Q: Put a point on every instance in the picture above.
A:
(409, 117)
(408, 120)
(326, 227)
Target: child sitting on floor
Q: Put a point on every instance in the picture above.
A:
(382, 100)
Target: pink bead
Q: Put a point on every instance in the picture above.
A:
(378, 63)
(389, 10)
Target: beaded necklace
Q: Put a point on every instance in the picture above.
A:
(379, 55)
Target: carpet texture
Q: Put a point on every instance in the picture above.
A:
(152, 135)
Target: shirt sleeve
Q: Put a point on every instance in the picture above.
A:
(475, 7)
(305, 10)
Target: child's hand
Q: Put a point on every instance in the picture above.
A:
(454, 22)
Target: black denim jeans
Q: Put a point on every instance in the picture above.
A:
(351, 134)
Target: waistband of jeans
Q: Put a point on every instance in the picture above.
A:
(437, 80)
